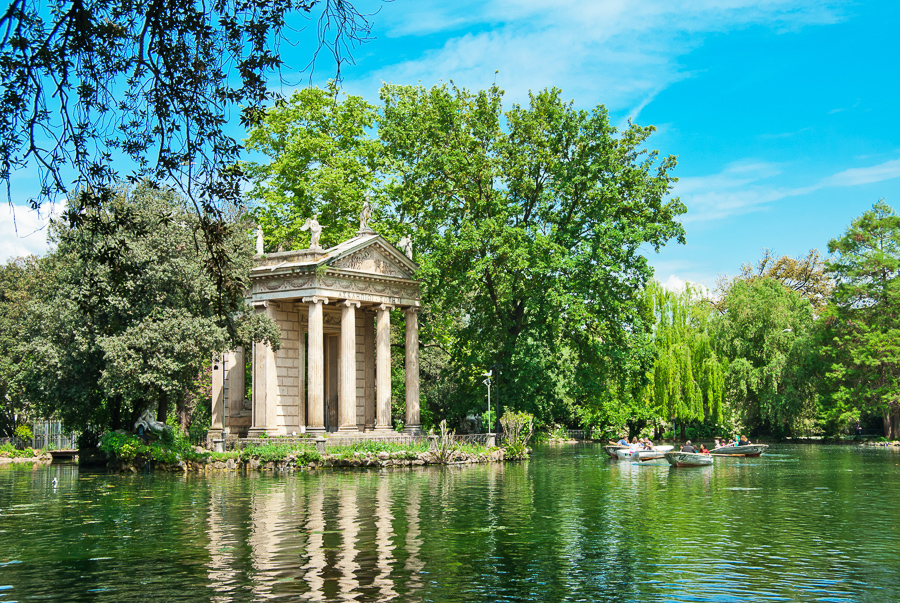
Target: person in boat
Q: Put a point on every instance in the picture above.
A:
(623, 441)
(703, 449)
(743, 441)
(688, 447)
(648, 444)
(718, 445)
(634, 445)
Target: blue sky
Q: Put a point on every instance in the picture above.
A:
(783, 113)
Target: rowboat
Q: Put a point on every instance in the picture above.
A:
(657, 452)
(611, 449)
(749, 450)
(688, 459)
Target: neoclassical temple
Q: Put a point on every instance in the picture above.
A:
(333, 369)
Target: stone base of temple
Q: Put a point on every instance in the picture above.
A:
(413, 430)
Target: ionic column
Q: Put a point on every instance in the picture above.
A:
(315, 419)
(413, 423)
(347, 389)
(383, 371)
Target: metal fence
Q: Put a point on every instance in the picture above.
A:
(50, 434)
(332, 441)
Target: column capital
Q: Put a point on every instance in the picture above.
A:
(387, 307)
(315, 299)
(412, 309)
(350, 302)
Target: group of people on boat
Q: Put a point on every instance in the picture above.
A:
(635, 443)
(724, 443)
(699, 449)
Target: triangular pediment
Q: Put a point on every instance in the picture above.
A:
(372, 255)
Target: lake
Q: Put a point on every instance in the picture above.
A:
(800, 523)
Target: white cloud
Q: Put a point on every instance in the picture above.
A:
(22, 232)
(742, 187)
(619, 52)
(865, 175)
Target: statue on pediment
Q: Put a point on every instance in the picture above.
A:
(315, 231)
(364, 217)
(406, 246)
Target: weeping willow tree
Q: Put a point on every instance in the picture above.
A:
(688, 378)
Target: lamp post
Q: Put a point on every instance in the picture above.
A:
(488, 383)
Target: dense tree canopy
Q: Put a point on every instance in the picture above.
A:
(863, 335)
(528, 225)
(129, 314)
(688, 381)
(766, 335)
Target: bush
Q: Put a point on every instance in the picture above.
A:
(24, 433)
(358, 449)
(518, 428)
(303, 453)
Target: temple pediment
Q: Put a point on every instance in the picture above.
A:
(367, 268)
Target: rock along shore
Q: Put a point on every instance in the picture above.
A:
(291, 463)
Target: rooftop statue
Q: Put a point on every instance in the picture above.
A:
(259, 241)
(406, 246)
(315, 231)
(364, 217)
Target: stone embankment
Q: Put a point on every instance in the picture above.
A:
(292, 462)
(894, 443)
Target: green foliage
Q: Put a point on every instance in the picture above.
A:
(132, 313)
(517, 429)
(21, 279)
(303, 453)
(862, 338)
(23, 432)
(528, 225)
(396, 450)
(687, 382)
(767, 336)
(322, 161)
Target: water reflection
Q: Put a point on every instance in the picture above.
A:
(805, 523)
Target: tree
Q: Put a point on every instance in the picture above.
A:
(529, 224)
(765, 334)
(688, 381)
(322, 161)
(98, 92)
(863, 338)
(804, 274)
(129, 317)
(20, 282)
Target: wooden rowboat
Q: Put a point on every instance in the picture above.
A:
(750, 450)
(611, 449)
(688, 459)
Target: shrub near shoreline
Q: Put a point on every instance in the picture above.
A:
(129, 452)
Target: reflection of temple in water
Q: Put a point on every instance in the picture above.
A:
(320, 538)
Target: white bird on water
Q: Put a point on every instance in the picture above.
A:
(55, 482)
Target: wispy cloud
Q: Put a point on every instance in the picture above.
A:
(744, 187)
(617, 52)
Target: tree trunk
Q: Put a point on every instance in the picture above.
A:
(886, 418)
(184, 416)
(162, 407)
(895, 421)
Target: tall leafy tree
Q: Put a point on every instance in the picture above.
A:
(129, 315)
(321, 161)
(863, 335)
(529, 224)
(20, 283)
(688, 380)
(766, 335)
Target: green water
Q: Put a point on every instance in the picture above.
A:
(802, 523)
